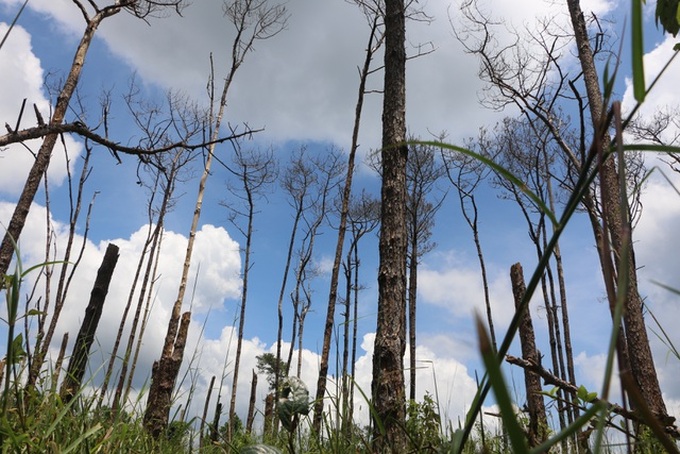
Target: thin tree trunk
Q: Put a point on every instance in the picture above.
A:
(242, 310)
(268, 414)
(301, 332)
(390, 339)
(143, 320)
(348, 271)
(43, 340)
(279, 335)
(342, 227)
(81, 349)
(571, 374)
(355, 329)
(57, 364)
(205, 413)
(412, 293)
(538, 423)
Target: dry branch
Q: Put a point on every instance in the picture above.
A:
(550, 379)
(79, 128)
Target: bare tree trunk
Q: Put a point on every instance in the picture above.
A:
(57, 364)
(143, 319)
(205, 413)
(388, 355)
(538, 423)
(564, 308)
(242, 312)
(251, 406)
(618, 230)
(81, 349)
(68, 269)
(342, 228)
(412, 294)
(348, 268)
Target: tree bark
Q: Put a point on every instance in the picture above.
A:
(390, 341)
(538, 423)
(81, 349)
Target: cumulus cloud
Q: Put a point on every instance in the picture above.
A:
(217, 258)
(455, 284)
(22, 77)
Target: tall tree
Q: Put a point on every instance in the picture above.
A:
(254, 171)
(297, 182)
(422, 174)
(327, 172)
(253, 20)
(363, 218)
(372, 10)
(465, 174)
(387, 388)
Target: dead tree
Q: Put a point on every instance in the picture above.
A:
(373, 12)
(81, 349)
(538, 422)
(616, 230)
(422, 204)
(254, 171)
(388, 394)
(253, 21)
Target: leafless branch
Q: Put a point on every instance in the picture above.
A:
(82, 130)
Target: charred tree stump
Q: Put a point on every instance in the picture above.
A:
(81, 349)
(538, 423)
(205, 412)
(164, 375)
(251, 407)
(58, 363)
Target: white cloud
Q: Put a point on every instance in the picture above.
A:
(218, 280)
(22, 78)
(664, 92)
(455, 284)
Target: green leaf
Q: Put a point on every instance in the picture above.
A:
(17, 351)
(294, 401)
(582, 393)
(32, 312)
(668, 15)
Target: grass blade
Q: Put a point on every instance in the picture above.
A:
(637, 51)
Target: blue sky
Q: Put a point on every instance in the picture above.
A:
(301, 87)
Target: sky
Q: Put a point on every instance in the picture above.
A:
(301, 88)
